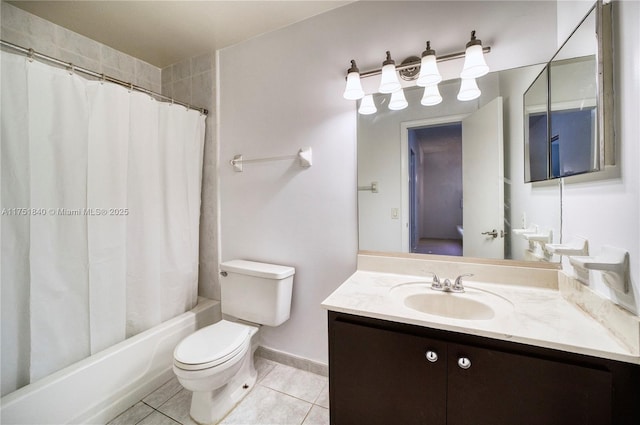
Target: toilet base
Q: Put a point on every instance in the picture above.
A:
(210, 407)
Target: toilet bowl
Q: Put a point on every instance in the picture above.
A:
(216, 362)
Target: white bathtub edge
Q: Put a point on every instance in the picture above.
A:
(124, 401)
(126, 373)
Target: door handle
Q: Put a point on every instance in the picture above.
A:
(493, 233)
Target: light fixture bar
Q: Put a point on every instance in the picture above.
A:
(413, 64)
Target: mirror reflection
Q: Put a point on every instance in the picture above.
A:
(562, 139)
(448, 178)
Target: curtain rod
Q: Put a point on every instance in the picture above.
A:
(33, 54)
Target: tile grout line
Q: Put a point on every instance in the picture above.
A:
(156, 410)
(312, 403)
(167, 416)
(307, 415)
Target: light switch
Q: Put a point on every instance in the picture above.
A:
(395, 213)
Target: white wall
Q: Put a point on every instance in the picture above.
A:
(276, 96)
(283, 91)
(607, 211)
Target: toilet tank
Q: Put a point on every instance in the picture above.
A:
(256, 292)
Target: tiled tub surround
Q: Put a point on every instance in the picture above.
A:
(30, 31)
(542, 316)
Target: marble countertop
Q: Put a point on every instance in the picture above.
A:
(540, 316)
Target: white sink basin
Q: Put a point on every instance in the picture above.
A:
(473, 304)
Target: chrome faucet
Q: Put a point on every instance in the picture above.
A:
(436, 284)
(447, 286)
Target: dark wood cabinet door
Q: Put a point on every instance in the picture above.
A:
(505, 389)
(382, 377)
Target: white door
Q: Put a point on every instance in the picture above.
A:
(483, 182)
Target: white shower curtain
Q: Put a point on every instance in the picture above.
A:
(108, 158)
(58, 264)
(100, 216)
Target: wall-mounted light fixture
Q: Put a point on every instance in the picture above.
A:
(424, 71)
(353, 90)
(389, 81)
(474, 64)
(429, 74)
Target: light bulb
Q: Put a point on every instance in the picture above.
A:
(468, 89)
(398, 101)
(474, 64)
(431, 96)
(429, 73)
(389, 80)
(353, 89)
(367, 106)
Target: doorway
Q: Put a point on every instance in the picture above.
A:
(435, 189)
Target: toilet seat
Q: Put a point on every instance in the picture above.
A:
(212, 345)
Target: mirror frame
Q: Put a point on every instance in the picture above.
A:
(541, 108)
(605, 118)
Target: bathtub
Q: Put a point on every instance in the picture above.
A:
(98, 388)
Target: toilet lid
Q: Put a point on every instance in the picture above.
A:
(211, 345)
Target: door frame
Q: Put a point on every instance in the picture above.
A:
(405, 206)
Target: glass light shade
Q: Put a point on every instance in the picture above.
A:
(353, 89)
(389, 81)
(429, 73)
(431, 96)
(474, 64)
(398, 101)
(367, 106)
(468, 89)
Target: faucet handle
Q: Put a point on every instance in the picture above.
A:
(436, 281)
(458, 286)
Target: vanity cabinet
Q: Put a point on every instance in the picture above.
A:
(389, 373)
(382, 377)
(505, 388)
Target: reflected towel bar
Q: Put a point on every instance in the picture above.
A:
(373, 187)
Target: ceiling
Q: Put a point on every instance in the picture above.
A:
(166, 32)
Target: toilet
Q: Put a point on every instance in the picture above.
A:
(216, 362)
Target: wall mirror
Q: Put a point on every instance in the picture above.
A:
(573, 133)
(440, 180)
(397, 163)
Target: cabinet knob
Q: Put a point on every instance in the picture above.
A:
(432, 356)
(464, 363)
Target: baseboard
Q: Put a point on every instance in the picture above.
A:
(293, 361)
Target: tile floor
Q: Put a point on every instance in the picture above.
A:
(283, 395)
